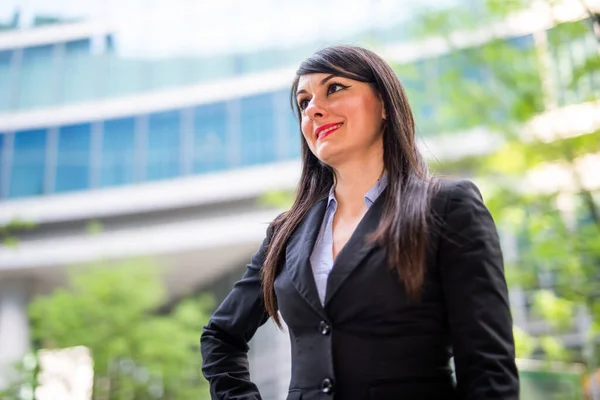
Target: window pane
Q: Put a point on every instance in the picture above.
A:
(73, 158)
(125, 74)
(118, 144)
(163, 145)
(210, 129)
(167, 72)
(208, 68)
(36, 77)
(294, 136)
(3, 139)
(28, 163)
(413, 79)
(5, 79)
(78, 72)
(258, 130)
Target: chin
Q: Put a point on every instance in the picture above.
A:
(330, 157)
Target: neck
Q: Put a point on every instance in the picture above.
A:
(354, 179)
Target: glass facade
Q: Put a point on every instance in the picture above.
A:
(209, 134)
(240, 132)
(36, 77)
(117, 152)
(3, 169)
(258, 137)
(163, 145)
(29, 163)
(150, 147)
(73, 158)
(5, 78)
(104, 66)
(75, 71)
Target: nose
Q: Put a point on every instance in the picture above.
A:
(315, 110)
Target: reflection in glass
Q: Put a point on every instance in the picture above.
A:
(5, 79)
(163, 152)
(3, 140)
(117, 159)
(210, 128)
(258, 130)
(79, 72)
(73, 158)
(124, 74)
(29, 156)
(36, 77)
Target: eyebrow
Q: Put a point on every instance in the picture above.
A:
(323, 81)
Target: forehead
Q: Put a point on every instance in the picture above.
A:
(305, 82)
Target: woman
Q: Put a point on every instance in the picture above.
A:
(380, 271)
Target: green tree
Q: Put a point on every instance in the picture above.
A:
(505, 84)
(138, 353)
(8, 232)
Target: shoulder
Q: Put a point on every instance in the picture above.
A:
(460, 207)
(456, 189)
(459, 201)
(448, 191)
(274, 225)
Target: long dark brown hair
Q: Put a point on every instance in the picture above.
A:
(404, 224)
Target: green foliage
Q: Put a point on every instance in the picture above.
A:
(502, 84)
(281, 199)
(21, 380)
(525, 345)
(138, 353)
(93, 227)
(554, 349)
(557, 311)
(8, 231)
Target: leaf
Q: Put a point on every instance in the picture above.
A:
(553, 348)
(558, 312)
(11, 242)
(525, 344)
(281, 199)
(497, 88)
(93, 227)
(111, 307)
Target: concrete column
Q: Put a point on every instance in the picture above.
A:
(14, 324)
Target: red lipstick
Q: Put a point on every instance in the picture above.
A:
(325, 130)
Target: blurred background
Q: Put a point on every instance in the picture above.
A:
(146, 145)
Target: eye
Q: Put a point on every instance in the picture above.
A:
(335, 87)
(302, 104)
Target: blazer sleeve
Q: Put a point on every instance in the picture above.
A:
(480, 322)
(224, 340)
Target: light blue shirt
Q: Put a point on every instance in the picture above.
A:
(321, 259)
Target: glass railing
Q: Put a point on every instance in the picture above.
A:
(93, 68)
(96, 68)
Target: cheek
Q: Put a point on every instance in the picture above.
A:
(367, 114)
(306, 128)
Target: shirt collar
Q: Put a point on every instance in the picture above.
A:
(370, 196)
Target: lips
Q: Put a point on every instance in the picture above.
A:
(325, 130)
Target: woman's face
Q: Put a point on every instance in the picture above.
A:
(341, 117)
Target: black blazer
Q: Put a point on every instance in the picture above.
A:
(369, 341)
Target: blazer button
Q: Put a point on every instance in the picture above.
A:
(327, 386)
(324, 328)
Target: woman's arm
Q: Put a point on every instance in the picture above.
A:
(224, 341)
(475, 289)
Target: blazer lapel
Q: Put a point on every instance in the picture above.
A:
(355, 250)
(297, 257)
